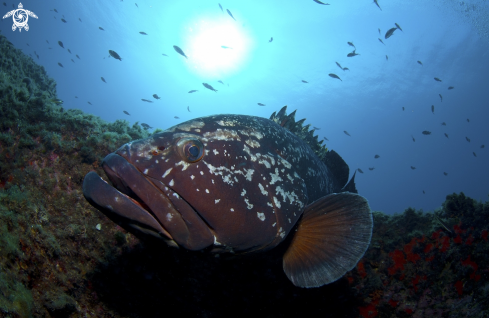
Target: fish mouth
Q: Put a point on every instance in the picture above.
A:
(143, 205)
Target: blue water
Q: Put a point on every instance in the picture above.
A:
(450, 38)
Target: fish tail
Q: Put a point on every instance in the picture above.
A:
(331, 238)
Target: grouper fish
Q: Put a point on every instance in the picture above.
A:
(240, 184)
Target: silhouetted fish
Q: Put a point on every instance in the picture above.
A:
(376, 156)
(78, 57)
(115, 55)
(143, 33)
(351, 44)
(468, 120)
(156, 96)
(375, 1)
(443, 124)
(360, 170)
(467, 138)
(60, 64)
(61, 44)
(437, 79)
(381, 41)
(433, 109)
(317, 1)
(63, 20)
(419, 62)
(230, 14)
(446, 135)
(390, 32)
(188, 108)
(260, 104)
(398, 26)
(474, 154)
(413, 138)
(346, 133)
(352, 54)
(179, 51)
(89, 103)
(126, 113)
(335, 76)
(146, 100)
(100, 28)
(220, 7)
(303, 81)
(413, 167)
(445, 173)
(164, 54)
(271, 39)
(371, 168)
(441, 97)
(426, 132)
(193, 91)
(103, 79)
(450, 87)
(209, 87)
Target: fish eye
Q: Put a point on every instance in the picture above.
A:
(191, 150)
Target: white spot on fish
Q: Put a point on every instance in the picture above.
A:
(243, 193)
(192, 177)
(215, 151)
(262, 189)
(249, 205)
(166, 173)
(217, 201)
(184, 165)
(206, 191)
(202, 173)
(281, 232)
(156, 161)
(172, 183)
(261, 216)
(277, 202)
(169, 216)
(176, 195)
(273, 225)
(275, 176)
(145, 171)
(232, 210)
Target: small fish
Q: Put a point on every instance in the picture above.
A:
(126, 113)
(423, 192)
(230, 14)
(100, 28)
(443, 124)
(60, 64)
(386, 57)
(437, 79)
(468, 120)
(76, 96)
(371, 168)
(474, 154)
(445, 173)
(316, 128)
(346, 133)
(226, 47)
(419, 62)
(402, 108)
(78, 57)
(57, 101)
(192, 91)
(176, 117)
(220, 82)
(414, 168)
(4, 4)
(441, 97)
(145, 100)
(143, 33)
(360, 170)
(467, 138)
(351, 44)
(335, 76)
(375, 1)
(63, 20)
(164, 54)
(220, 7)
(188, 108)
(325, 138)
(381, 41)
(433, 109)
(209, 87)
(450, 87)
(414, 140)
(346, 69)
(426, 132)
(47, 41)
(317, 1)
(156, 96)
(398, 26)
(55, 10)
(179, 51)
(61, 44)
(376, 156)
(446, 135)
(482, 146)
(339, 65)
(260, 104)
(146, 126)
(379, 31)
(80, 20)
(389, 33)
(352, 54)
(271, 39)
(69, 51)
(89, 103)
(136, 5)
(115, 55)
(72, 61)
(303, 81)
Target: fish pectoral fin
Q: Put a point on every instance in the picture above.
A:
(331, 238)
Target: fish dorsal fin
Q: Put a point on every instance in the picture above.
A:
(331, 159)
(331, 238)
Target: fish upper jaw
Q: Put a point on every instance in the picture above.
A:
(141, 206)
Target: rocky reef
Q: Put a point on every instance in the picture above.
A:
(59, 257)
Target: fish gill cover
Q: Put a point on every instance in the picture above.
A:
(60, 257)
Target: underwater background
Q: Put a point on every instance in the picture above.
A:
(59, 257)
